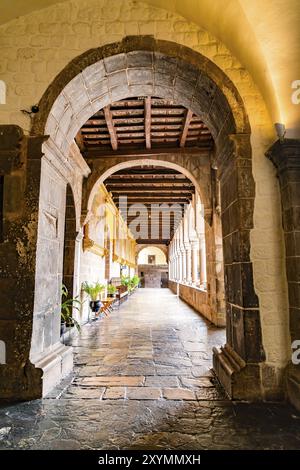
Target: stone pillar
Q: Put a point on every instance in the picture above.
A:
(240, 364)
(176, 261)
(202, 260)
(20, 163)
(195, 254)
(183, 264)
(188, 252)
(286, 158)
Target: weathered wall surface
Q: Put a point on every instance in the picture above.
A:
(20, 163)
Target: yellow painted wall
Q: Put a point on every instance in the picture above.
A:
(264, 35)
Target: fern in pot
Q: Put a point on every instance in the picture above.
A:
(93, 291)
(111, 290)
(67, 306)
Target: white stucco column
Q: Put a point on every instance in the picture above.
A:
(195, 254)
(202, 259)
(188, 255)
(183, 264)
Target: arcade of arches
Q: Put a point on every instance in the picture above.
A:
(152, 152)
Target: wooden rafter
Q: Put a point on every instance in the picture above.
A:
(149, 189)
(94, 153)
(147, 105)
(141, 181)
(110, 127)
(185, 129)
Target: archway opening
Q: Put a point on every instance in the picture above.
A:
(222, 155)
(152, 267)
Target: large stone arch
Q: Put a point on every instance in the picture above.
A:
(144, 66)
(139, 52)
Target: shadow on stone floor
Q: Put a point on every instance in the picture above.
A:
(148, 425)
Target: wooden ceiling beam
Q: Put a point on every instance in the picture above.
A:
(148, 189)
(185, 129)
(142, 181)
(153, 241)
(110, 127)
(160, 152)
(147, 106)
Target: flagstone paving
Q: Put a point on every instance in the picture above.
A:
(143, 380)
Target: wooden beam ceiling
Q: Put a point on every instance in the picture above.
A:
(151, 186)
(111, 128)
(139, 128)
(148, 122)
(143, 123)
(185, 129)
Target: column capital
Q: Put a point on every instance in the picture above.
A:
(285, 155)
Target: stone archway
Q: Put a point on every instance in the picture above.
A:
(162, 248)
(142, 65)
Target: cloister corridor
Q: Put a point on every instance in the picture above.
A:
(143, 380)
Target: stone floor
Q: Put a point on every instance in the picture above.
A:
(142, 380)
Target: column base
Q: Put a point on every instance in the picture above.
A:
(55, 366)
(247, 381)
(293, 386)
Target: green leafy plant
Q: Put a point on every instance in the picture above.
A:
(125, 281)
(135, 280)
(67, 306)
(93, 290)
(111, 289)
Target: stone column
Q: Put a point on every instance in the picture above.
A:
(188, 252)
(20, 163)
(286, 158)
(183, 264)
(177, 261)
(195, 253)
(240, 364)
(202, 261)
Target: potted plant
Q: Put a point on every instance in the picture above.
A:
(125, 281)
(67, 306)
(111, 290)
(135, 280)
(94, 291)
(133, 283)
